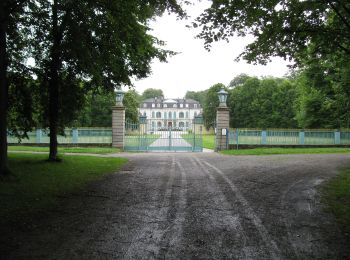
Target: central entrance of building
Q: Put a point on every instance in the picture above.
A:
(164, 135)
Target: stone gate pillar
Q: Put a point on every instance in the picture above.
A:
(222, 122)
(118, 122)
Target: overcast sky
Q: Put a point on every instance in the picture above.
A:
(194, 68)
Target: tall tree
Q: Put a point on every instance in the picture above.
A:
(97, 109)
(263, 103)
(131, 104)
(106, 42)
(281, 28)
(238, 80)
(152, 93)
(11, 59)
(324, 93)
(197, 95)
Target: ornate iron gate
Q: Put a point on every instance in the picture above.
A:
(164, 135)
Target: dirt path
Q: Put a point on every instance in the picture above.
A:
(185, 205)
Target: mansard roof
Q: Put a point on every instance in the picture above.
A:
(161, 100)
(170, 100)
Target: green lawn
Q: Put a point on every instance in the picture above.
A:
(37, 184)
(209, 141)
(97, 150)
(133, 141)
(268, 151)
(337, 197)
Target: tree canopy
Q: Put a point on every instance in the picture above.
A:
(151, 93)
(281, 28)
(103, 43)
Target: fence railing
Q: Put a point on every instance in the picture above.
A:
(89, 135)
(289, 137)
(71, 136)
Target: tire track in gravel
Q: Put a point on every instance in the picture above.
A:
(170, 242)
(146, 243)
(240, 237)
(248, 212)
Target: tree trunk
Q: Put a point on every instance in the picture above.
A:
(54, 84)
(3, 94)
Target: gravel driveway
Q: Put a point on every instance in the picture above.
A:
(185, 205)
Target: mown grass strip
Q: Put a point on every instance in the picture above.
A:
(208, 141)
(336, 194)
(37, 184)
(272, 151)
(96, 150)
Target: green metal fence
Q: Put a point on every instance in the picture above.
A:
(289, 137)
(71, 136)
(140, 139)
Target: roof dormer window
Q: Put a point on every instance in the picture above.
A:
(174, 105)
(187, 105)
(153, 105)
(144, 105)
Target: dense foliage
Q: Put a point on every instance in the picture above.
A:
(280, 28)
(151, 93)
(263, 103)
(77, 46)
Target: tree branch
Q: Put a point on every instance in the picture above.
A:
(344, 6)
(347, 24)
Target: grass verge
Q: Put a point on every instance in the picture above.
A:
(336, 195)
(37, 184)
(96, 150)
(271, 151)
(209, 141)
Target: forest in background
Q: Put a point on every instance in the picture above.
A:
(315, 96)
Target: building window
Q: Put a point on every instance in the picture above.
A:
(165, 105)
(186, 114)
(175, 106)
(181, 105)
(144, 105)
(158, 105)
(170, 115)
(187, 105)
(165, 115)
(181, 115)
(152, 114)
(174, 115)
(153, 105)
(159, 124)
(195, 105)
(158, 114)
(181, 124)
(187, 124)
(153, 124)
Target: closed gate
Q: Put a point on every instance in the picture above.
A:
(165, 135)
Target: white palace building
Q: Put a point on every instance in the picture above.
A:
(174, 113)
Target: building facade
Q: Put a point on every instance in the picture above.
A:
(174, 113)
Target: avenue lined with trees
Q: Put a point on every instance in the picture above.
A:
(78, 57)
(61, 62)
